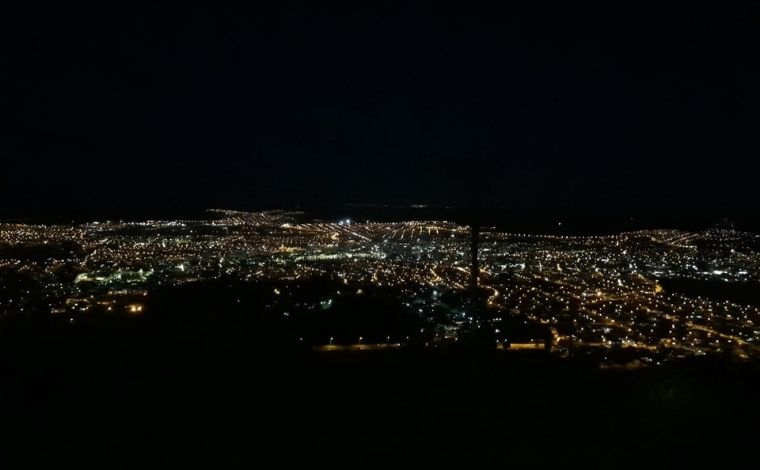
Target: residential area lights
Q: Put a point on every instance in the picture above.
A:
(597, 292)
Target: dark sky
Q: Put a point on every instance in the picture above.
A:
(568, 107)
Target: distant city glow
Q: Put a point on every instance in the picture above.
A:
(606, 293)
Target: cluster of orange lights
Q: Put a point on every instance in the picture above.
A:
(135, 309)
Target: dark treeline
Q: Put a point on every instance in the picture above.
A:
(199, 383)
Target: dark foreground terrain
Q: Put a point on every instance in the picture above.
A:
(127, 393)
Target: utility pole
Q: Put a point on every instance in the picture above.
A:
(475, 265)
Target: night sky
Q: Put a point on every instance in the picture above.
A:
(608, 108)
